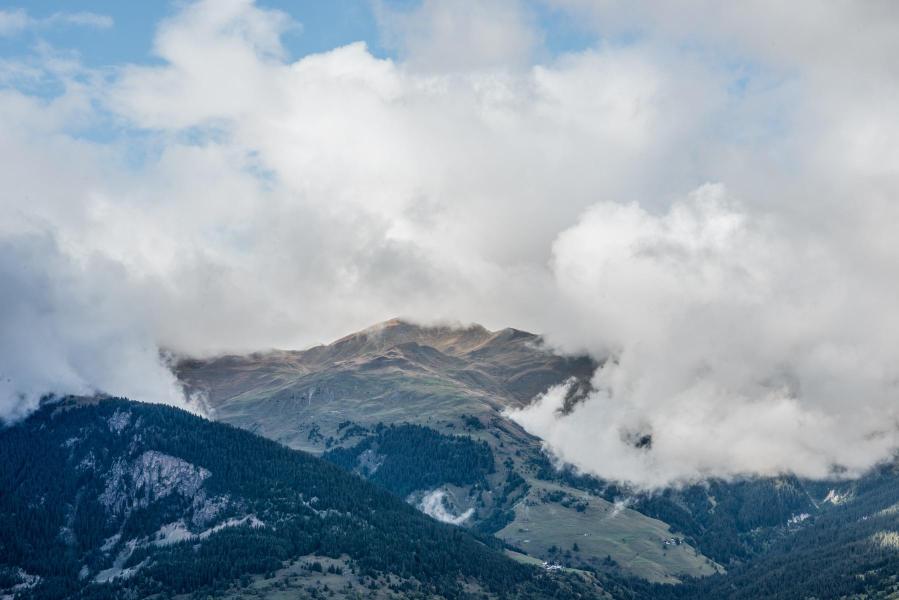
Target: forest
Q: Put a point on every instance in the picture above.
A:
(56, 466)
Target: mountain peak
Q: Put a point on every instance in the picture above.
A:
(402, 323)
(394, 322)
(450, 339)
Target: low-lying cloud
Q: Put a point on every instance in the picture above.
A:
(72, 328)
(732, 346)
(710, 210)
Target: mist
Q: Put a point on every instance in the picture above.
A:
(707, 208)
(72, 328)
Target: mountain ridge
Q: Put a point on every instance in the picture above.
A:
(435, 368)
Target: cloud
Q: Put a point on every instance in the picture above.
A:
(80, 19)
(734, 348)
(12, 21)
(711, 209)
(72, 327)
(436, 35)
(16, 21)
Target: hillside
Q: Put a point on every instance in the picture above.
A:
(108, 498)
(453, 381)
(395, 371)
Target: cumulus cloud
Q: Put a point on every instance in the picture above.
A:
(709, 207)
(732, 346)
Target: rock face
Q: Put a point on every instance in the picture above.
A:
(137, 483)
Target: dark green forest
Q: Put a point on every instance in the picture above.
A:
(309, 506)
(412, 457)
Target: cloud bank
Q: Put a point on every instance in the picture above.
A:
(706, 199)
(732, 347)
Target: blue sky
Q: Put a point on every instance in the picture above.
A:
(324, 25)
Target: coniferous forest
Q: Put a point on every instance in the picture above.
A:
(70, 502)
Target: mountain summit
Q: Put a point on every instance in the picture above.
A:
(452, 340)
(392, 371)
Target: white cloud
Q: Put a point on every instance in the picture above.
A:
(13, 21)
(16, 21)
(441, 35)
(432, 504)
(279, 203)
(72, 328)
(737, 348)
(79, 19)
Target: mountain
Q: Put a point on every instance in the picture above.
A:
(419, 411)
(846, 547)
(440, 387)
(106, 498)
(392, 371)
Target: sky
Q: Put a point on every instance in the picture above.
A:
(701, 195)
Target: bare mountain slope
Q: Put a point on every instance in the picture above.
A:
(393, 372)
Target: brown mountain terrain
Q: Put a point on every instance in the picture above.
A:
(393, 372)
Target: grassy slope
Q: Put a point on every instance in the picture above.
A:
(288, 415)
(633, 540)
